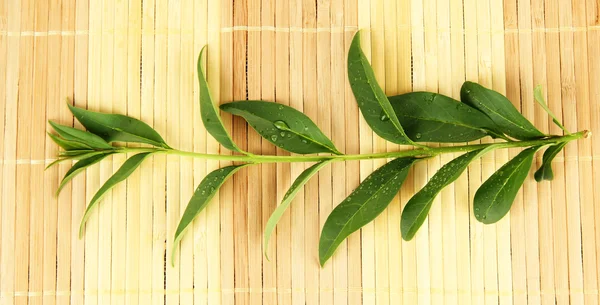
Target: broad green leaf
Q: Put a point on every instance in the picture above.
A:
(416, 210)
(432, 117)
(372, 101)
(283, 126)
(79, 167)
(495, 196)
(122, 173)
(205, 191)
(538, 95)
(209, 113)
(500, 110)
(362, 206)
(287, 199)
(117, 127)
(67, 144)
(545, 171)
(83, 137)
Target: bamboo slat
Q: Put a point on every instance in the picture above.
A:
(139, 59)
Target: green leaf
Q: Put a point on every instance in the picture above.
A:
(209, 113)
(416, 210)
(432, 117)
(538, 95)
(287, 199)
(374, 105)
(124, 171)
(67, 144)
(205, 191)
(117, 127)
(362, 206)
(495, 196)
(500, 110)
(83, 137)
(283, 126)
(545, 170)
(79, 167)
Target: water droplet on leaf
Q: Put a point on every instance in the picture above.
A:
(274, 138)
(418, 135)
(281, 125)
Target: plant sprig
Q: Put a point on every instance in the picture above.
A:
(406, 119)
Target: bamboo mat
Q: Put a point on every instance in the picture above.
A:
(138, 58)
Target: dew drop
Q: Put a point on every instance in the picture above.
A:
(289, 135)
(203, 192)
(304, 141)
(418, 135)
(274, 138)
(483, 217)
(212, 189)
(281, 125)
(305, 128)
(476, 209)
(280, 107)
(282, 134)
(383, 117)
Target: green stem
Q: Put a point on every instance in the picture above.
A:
(429, 152)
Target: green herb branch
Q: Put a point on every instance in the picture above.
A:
(407, 119)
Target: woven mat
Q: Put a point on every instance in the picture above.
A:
(138, 58)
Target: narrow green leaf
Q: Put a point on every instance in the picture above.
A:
(432, 117)
(283, 126)
(209, 113)
(538, 95)
(205, 191)
(117, 127)
(79, 167)
(287, 199)
(416, 210)
(68, 145)
(362, 206)
(372, 101)
(495, 196)
(500, 110)
(122, 173)
(83, 137)
(545, 171)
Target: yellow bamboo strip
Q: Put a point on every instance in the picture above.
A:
(366, 167)
(241, 203)
(408, 254)
(569, 98)
(255, 227)
(3, 109)
(586, 192)
(540, 262)
(296, 210)
(120, 201)
(186, 137)
(159, 229)
(352, 146)
(311, 189)
(338, 136)
(199, 144)
(78, 186)
(323, 100)
(42, 239)
(147, 180)
(56, 109)
(592, 10)
(282, 95)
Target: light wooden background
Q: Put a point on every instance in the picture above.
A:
(138, 58)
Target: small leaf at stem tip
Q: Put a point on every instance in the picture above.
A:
(205, 191)
(67, 144)
(498, 108)
(84, 138)
(372, 101)
(538, 95)
(372, 196)
(284, 126)
(79, 167)
(495, 196)
(287, 199)
(545, 171)
(416, 209)
(432, 117)
(210, 114)
(117, 127)
(122, 173)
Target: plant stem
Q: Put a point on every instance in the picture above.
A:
(429, 152)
